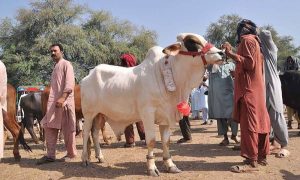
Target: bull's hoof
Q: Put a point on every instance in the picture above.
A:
(78, 134)
(106, 143)
(107, 138)
(100, 160)
(119, 138)
(174, 170)
(153, 172)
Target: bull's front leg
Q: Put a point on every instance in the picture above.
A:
(165, 138)
(150, 139)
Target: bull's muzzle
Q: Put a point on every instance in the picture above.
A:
(223, 56)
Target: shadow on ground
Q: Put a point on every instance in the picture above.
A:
(108, 171)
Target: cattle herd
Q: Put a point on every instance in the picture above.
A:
(121, 96)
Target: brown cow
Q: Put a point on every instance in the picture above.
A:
(10, 122)
(78, 110)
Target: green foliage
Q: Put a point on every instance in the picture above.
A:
(225, 30)
(284, 44)
(89, 38)
(113, 37)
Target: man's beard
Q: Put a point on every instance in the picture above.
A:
(55, 58)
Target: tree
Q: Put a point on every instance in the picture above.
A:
(284, 44)
(25, 47)
(87, 42)
(112, 37)
(225, 30)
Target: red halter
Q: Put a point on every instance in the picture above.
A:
(202, 53)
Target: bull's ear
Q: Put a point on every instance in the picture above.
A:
(172, 49)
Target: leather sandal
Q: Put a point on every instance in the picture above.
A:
(225, 142)
(44, 160)
(182, 140)
(262, 162)
(235, 139)
(242, 169)
(127, 145)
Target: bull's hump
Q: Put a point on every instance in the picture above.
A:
(105, 67)
(154, 53)
(110, 68)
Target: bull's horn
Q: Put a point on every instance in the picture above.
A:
(193, 38)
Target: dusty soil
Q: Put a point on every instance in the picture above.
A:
(201, 159)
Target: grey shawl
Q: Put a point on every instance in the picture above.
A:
(273, 84)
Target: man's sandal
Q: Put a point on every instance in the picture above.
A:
(262, 162)
(283, 153)
(44, 160)
(225, 142)
(242, 169)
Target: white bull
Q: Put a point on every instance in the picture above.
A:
(125, 95)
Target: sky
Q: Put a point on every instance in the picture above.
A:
(171, 17)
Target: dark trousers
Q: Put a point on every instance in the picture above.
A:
(129, 132)
(185, 128)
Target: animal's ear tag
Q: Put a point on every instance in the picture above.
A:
(168, 76)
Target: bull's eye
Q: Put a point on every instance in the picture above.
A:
(221, 53)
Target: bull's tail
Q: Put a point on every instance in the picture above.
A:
(22, 141)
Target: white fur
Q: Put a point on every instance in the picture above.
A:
(126, 95)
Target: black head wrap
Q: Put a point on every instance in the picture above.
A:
(292, 63)
(245, 27)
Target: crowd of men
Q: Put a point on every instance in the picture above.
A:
(247, 91)
(244, 91)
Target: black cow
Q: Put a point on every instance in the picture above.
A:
(32, 107)
(290, 84)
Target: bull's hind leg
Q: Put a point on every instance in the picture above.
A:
(165, 138)
(95, 133)
(106, 138)
(41, 132)
(14, 129)
(28, 123)
(87, 126)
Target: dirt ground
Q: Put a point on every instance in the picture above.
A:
(200, 159)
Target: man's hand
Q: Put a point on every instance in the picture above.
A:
(232, 73)
(227, 46)
(228, 51)
(204, 84)
(60, 102)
